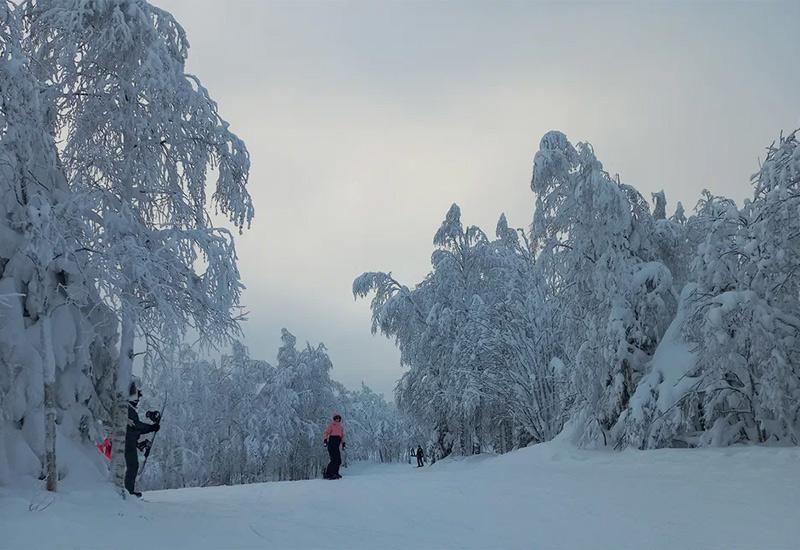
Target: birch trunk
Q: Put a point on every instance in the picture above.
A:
(49, 368)
(124, 372)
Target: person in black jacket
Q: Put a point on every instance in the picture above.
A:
(136, 429)
(420, 457)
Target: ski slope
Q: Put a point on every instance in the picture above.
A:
(545, 497)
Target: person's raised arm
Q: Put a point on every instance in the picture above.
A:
(137, 425)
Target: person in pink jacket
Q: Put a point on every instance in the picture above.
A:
(333, 438)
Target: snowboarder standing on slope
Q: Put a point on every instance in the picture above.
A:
(136, 428)
(333, 438)
(420, 456)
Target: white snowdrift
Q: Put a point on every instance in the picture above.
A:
(546, 497)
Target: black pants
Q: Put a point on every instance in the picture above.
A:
(131, 467)
(419, 461)
(336, 456)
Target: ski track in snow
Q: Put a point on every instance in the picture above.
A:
(546, 497)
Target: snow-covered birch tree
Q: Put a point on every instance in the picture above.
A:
(140, 137)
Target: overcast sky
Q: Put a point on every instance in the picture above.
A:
(366, 120)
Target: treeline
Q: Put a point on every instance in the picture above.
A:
(608, 320)
(242, 420)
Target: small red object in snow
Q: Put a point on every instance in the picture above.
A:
(105, 447)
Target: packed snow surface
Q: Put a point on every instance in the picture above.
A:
(548, 496)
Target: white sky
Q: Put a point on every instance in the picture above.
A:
(366, 120)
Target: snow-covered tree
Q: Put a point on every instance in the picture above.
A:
(526, 382)
(432, 325)
(32, 176)
(140, 137)
(746, 314)
(726, 371)
(376, 431)
(596, 253)
(474, 338)
(50, 338)
(638, 328)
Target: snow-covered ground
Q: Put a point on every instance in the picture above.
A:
(549, 496)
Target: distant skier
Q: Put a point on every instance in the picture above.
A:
(136, 429)
(333, 438)
(420, 457)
